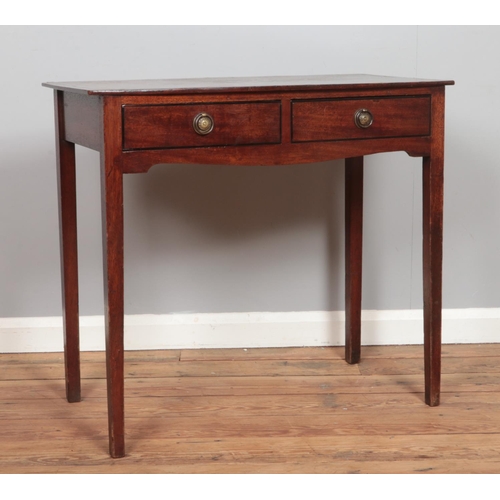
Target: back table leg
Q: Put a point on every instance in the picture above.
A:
(353, 256)
(66, 184)
(432, 261)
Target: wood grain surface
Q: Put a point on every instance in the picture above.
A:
(283, 410)
(171, 126)
(243, 84)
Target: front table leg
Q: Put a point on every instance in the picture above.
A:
(112, 225)
(353, 256)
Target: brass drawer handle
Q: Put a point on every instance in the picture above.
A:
(203, 123)
(363, 118)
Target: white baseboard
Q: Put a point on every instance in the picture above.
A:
(254, 329)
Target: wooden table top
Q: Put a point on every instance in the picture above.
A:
(243, 84)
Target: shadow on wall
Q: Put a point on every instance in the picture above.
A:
(237, 202)
(243, 222)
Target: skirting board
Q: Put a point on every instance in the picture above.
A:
(254, 329)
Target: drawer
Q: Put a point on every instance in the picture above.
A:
(173, 126)
(334, 119)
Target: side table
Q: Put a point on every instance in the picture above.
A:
(244, 121)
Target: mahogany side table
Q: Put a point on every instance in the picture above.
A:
(244, 121)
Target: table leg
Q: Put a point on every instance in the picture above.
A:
(112, 225)
(432, 261)
(66, 187)
(353, 256)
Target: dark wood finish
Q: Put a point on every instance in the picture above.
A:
(246, 84)
(140, 161)
(318, 109)
(353, 256)
(270, 94)
(433, 251)
(112, 226)
(66, 188)
(171, 126)
(333, 119)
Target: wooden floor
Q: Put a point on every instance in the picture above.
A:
(289, 410)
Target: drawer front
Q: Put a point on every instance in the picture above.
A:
(173, 126)
(334, 119)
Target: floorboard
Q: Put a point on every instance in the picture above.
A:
(283, 410)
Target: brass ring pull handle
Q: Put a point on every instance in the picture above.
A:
(203, 123)
(363, 118)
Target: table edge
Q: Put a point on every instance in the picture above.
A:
(66, 87)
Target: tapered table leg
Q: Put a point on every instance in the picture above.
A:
(353, 256)
(432, 261)
(112, 226)
(433, 183)
(66, 186)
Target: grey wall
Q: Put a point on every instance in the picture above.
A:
(214, 238)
